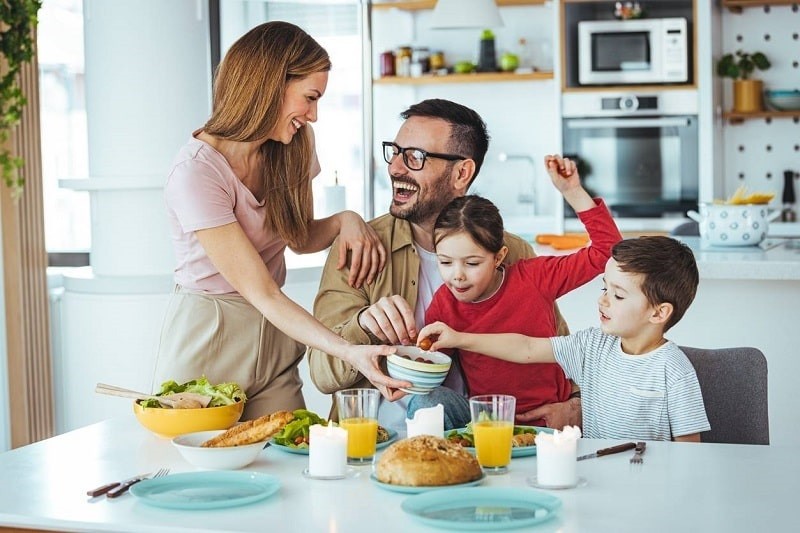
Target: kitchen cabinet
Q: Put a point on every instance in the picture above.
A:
(521, 110)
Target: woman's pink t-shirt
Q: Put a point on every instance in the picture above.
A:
(203, 192)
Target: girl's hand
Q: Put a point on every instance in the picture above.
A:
(366, 359)
(563, 172)
(368, 256)
(446, 337)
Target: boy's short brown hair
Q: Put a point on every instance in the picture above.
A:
(668, 269)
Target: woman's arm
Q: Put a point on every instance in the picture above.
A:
(368, 256)
(234, 256)
(506, 346)
(693, 437)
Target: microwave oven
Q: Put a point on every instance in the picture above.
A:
(642, 51)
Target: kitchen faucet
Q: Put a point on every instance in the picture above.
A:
(522, 197)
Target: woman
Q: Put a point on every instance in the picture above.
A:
(240, 192)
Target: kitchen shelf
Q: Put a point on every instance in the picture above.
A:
(413, 5)
(475, 77)
(736, 6)
(737, 118)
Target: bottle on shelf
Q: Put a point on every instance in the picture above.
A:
(487, 59)
(789, 212)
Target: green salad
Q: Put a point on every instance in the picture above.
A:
(295, 433)
(222, 394)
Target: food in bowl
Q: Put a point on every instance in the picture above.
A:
(170, 423)
(426, 461)
(257, 430)
(222, 394)
(192, 449)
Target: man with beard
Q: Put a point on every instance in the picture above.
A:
(434, 158)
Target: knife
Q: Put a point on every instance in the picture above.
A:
(99, 491)
(609, 451)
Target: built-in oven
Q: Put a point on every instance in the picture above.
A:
(637, 151)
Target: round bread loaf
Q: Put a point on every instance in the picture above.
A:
(426, 461)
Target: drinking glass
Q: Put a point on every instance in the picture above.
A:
(358, 414)
(493, 428)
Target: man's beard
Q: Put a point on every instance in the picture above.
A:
(436, 198)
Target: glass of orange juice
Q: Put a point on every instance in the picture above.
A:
(493, 428)
(358, 414)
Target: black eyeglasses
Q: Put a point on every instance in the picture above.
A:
(414, 158)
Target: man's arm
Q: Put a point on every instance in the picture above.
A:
(337, 305)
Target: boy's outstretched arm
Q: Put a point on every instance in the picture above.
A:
(506, 346)
(564, 175)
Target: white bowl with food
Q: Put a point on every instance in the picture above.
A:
(191, 449)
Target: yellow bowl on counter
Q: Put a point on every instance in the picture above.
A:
(170, 423)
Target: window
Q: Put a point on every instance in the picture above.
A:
(63, 125)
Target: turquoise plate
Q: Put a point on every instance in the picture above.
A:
(482, 508)
(206, 490)
(416, 490)
(304, 451)
(524, 451)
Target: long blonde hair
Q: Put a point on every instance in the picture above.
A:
(249, 88)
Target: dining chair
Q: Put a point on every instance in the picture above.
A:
(734, 386)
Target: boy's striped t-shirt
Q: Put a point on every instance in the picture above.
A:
(653, 396)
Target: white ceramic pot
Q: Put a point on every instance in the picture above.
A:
(733, 225)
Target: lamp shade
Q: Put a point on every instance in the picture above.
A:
(451, 14)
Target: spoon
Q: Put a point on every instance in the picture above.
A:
(180, 400)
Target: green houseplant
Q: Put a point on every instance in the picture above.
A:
(17, 44)
(747, 91)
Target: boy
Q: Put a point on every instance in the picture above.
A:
(635, 383)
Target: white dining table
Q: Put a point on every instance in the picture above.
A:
(679, 487)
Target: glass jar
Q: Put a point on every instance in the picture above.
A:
(403, 61)
(387, 64)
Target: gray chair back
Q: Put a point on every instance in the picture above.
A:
(734, 386)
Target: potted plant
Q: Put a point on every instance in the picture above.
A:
(17, 20)
(747, 92)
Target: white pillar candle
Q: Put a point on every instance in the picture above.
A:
(557, 457)
(334, 199)
(327, 451)
(427, 421)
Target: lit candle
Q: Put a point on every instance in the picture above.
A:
(557, 457)
(426, 421)
(334, 196)
(327, 451)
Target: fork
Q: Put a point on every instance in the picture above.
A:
(636, 460)
(121, 489)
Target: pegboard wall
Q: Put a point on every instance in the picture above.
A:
(758, 151)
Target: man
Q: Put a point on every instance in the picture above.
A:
(434, 158)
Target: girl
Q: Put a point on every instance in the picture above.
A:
(483, 295)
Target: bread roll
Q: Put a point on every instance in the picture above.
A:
(426, 461)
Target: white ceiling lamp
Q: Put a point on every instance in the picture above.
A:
(451, 14)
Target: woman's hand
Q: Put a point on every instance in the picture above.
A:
(368, 255)
(442, 335)
(366, 359)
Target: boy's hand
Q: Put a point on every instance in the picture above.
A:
(564, 174)
(444, 335)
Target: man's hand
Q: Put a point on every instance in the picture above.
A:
(556, 415)
(391, 320)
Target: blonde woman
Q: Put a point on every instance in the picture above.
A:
(238, 193)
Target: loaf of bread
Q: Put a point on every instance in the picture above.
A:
(251, 431)
(426, 461)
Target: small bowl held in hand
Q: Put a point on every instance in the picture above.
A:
(425, 370)
(219, 458)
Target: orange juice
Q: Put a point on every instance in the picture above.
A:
(493, 442)
(361, 436)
